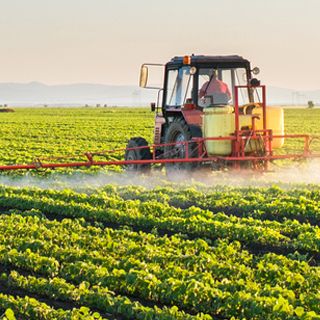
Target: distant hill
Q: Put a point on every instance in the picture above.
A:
(36, 94)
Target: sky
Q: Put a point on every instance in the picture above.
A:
(106, 41)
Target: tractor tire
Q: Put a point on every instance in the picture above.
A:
(138, 154)
(179, 131)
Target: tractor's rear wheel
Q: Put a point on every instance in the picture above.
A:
(177, 133)
(138, 153)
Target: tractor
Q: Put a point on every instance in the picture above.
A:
(213, 113)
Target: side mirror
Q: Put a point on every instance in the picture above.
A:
(255, 71)
(153, 107)
(143, 76)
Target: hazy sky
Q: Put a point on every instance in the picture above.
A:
(105, 41)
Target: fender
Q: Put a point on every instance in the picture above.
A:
(193, 118)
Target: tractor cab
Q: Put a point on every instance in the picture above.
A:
(205, 81)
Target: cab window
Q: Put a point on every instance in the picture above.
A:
(216, 86)
(179, 86)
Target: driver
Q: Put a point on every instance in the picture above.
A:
(214, 86)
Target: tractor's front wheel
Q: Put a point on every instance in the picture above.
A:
(137, 149)
(178, 136)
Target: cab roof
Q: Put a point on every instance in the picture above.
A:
(228, 60)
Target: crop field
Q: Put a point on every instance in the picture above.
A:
(29, 133)
(153, 250)
(44, 132)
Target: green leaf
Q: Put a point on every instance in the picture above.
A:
(299, 311)
(10, 314)
(84, 310)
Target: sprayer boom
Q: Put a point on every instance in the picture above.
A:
(195, 153)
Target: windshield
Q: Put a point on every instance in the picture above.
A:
(216, 86)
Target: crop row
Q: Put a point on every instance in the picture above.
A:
(94, 297)
(196, 222)
(151, 200)
(112, 259)
(31, 308)
(261, 203)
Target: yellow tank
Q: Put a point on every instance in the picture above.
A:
(220, 122)
(275, 122)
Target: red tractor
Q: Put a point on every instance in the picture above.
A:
(213, 113)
